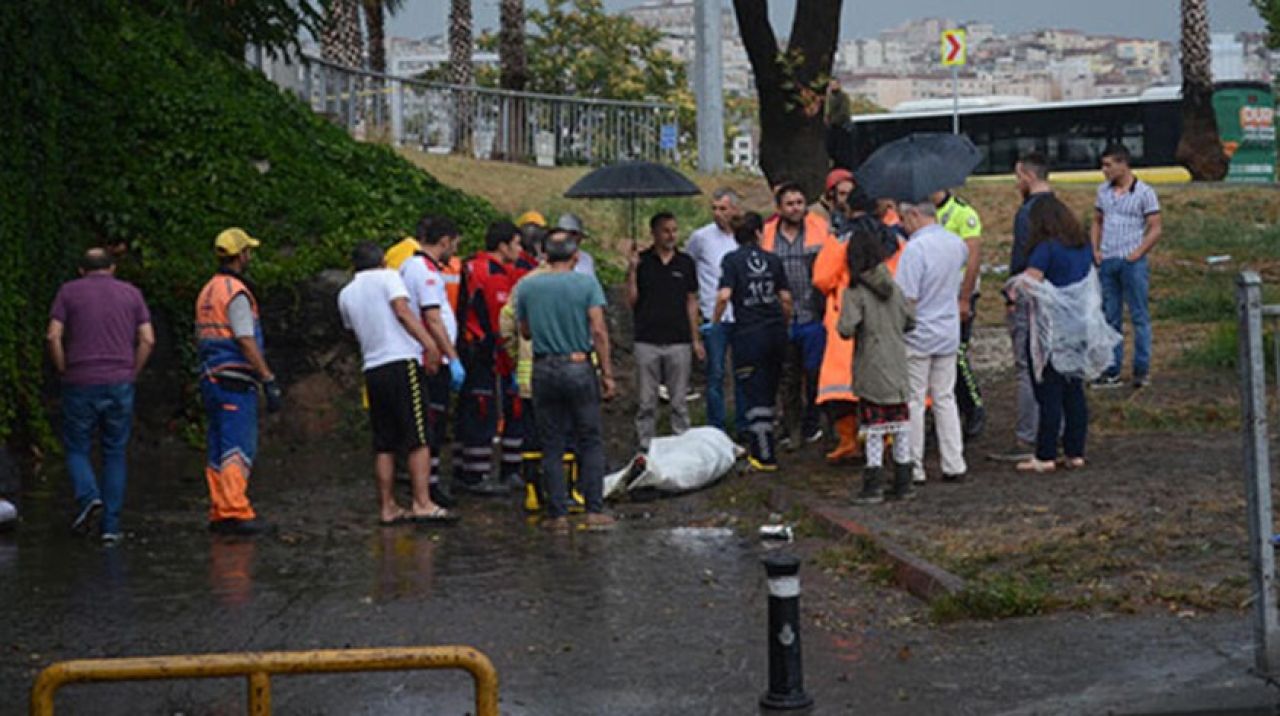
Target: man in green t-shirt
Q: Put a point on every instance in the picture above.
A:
(562, 312)
(958, 217)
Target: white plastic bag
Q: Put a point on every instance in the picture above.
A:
(678, 463)
(1068, 327)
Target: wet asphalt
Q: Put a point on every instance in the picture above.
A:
(663, 616)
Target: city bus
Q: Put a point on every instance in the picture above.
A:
(1073, 134)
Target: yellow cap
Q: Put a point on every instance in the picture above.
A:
(532, 217)
(401, 251)
(232, 241)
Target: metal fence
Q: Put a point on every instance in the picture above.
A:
(489, 123)
(258, 668)
(1257, 464)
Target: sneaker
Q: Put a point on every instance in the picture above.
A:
(692, 396)
(87, 521)
(1018, 452)
(663, 394)
(917, 475)
(243, 528)
(1106, 382)
(959, 477)
(813, 436)
(761, 466)
(111, 539)
(1141, 381)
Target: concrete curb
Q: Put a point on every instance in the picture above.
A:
(918, 576)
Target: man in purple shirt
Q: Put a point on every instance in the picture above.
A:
(100, 337)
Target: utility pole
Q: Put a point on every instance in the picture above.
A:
(708, 85)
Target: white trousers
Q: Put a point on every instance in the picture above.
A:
(935, 376)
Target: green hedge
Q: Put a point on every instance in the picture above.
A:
(115, 125)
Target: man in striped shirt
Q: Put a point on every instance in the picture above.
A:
(1126, 225)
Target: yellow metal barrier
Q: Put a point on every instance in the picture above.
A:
(260, 666)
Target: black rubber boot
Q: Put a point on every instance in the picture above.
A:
(872, 492)
(902, 488)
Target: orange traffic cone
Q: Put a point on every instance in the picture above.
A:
(848, 448)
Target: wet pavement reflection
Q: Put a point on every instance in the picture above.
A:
(650, 619)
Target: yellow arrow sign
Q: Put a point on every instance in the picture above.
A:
(954, 48)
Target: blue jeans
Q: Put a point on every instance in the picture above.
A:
(566, 404)
(1060, 397)
(716, 339)
(1124, 283)
(84, 409)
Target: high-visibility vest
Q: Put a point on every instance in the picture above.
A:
(452, 274)
(817, 233)
(216, 345)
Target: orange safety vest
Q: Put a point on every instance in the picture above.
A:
(216, 344)
(816, 234)
(452, 275)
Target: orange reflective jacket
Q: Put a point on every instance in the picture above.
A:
(216, 344)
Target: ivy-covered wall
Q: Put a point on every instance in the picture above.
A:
(115, 125)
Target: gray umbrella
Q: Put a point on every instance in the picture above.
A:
(912, 168)
(632, 180)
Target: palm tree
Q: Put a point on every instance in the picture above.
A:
(341, 42)
(1200, 147)
(513, 74)
(511, 51)
(375, 14)
(460, 69)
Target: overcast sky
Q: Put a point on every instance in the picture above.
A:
(864, 18)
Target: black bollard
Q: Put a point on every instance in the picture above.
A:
(786, 672)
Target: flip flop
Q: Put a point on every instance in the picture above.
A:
(399, 519)
(438, 516)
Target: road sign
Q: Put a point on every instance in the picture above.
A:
(954, 48)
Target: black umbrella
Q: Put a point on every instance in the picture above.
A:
(912, 168)
(632, 180)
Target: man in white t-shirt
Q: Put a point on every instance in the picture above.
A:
(393, 346)
(930, 275)
(423, 275)
(708, 246)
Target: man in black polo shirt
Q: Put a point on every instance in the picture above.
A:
(662, 288)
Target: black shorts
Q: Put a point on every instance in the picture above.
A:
(398, 406)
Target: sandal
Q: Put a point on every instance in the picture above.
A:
(437, 516)
(399, 519)
(1074, 463)
(1036, 466)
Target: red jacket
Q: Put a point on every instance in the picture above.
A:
(486, 286)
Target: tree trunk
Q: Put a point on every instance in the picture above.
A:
(511, 50)
(460, 70)
(514, 76)
(791, 87)
(1200, 147)
(341, 41)
(375, 31)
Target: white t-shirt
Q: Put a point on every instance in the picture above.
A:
(708, 247)
(929, 274)
(427, 290)
(365, 305)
